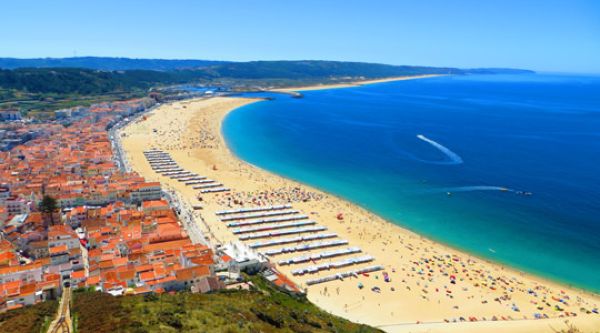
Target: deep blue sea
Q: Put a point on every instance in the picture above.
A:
(433, 155)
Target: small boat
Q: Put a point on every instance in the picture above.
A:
(449, 193)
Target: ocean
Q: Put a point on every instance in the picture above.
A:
(506, 167)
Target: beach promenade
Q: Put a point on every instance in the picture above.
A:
(443, 289)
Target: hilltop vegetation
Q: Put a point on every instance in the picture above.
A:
(92, 81)
(39, 88)
(265, 310)
(106, 63)
(30, 319)
(316, 69)
(79, 81)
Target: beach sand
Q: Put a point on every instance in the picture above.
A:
(354, 84)
(420, 269)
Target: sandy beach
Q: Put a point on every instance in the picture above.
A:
(354, 84)
(441, 288)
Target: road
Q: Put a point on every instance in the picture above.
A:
(188, 216)
(62, 323)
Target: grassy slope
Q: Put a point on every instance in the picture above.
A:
(263, 310)
(30, 319)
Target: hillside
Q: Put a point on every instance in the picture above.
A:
(30, 319)
(90, 81)
(311, 69)
(19, 84)
(106, 63)
(265, 310)
(83, 81)
(40, 89)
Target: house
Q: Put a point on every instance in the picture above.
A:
(243, 258)
(16, 206)
(186, 277)
(78, 278)
(155, 205)
(3, 214)
(59, 254)
(146, 191)
(26, 273)
(10, 115)
(62, 235)
(38, 249)
(63, 113)
(208, 284)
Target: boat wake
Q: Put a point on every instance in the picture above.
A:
(470, 189)
(453, 158)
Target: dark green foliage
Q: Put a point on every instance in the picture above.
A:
(105, 63)
(317, 69)
(89, 81)
(48, 204)
(30, 319)
(98, 312)
(38, 90)
(263, 310)
(76, 80)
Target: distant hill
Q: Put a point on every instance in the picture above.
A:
(308, 69)
(106, 63)
(251, 69)
(79, 81)
(60, 80)
(498, 71)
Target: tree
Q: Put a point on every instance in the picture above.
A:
(48, 206)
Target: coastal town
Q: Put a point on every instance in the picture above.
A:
(310, 167)
(71, 216)
(139, 197)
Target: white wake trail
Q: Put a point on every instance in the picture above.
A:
(454, 158)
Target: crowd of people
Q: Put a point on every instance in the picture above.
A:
(275, 196)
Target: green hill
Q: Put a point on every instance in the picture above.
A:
(30, 319)
(91, 81)
(263, 310)
(39, 89)
(311, 69)
(106, 63)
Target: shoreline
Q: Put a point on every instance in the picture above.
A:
(538, 276)
(354, 84)
(208, 116)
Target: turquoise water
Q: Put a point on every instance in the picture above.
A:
(505, 167)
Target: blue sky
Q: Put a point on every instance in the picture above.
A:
(542, 35)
